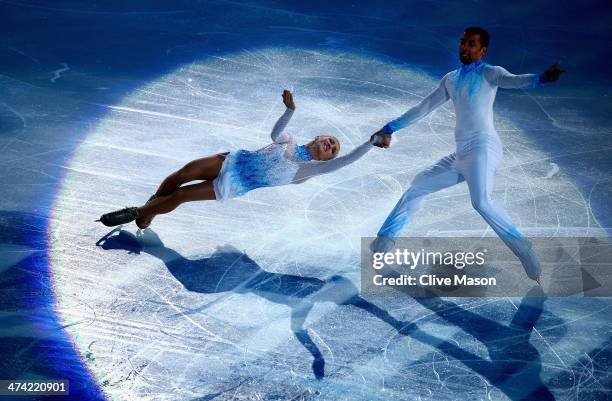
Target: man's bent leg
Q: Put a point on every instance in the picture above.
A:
(479, 171)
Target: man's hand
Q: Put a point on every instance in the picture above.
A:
(553, 72)
(288, 99)
(384, 142)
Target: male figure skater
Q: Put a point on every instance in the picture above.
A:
(472, 89)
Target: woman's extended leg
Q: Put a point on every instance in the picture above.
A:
(188, 193)
(170, 194)
(205, 169)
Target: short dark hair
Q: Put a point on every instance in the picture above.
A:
(484, 35)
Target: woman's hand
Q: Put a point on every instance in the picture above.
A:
(288, 99)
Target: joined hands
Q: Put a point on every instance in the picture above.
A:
(380, 139)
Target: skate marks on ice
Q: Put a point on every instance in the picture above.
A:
(57, 74)
(227, 269)
(554, 169)
(32, 343)
(149, 324)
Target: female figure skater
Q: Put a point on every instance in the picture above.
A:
(228, 175)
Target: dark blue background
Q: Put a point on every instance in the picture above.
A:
(123, 45)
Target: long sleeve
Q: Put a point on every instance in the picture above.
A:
(499, 76)
(426, 106)
(277, 133)
(313, 168)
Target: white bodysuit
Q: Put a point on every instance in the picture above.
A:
(280, 163)
(472, 89)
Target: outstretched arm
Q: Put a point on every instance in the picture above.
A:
(314, 168)
(499, 76)
(426, 106)
(277, 131)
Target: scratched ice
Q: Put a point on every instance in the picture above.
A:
(257, 298)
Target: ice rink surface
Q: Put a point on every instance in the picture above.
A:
(258, 298)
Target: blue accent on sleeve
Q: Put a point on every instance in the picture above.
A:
(387, 129)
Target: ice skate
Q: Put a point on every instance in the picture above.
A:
(531, 264)
(382, 244)
(118, 217)
(145, 222)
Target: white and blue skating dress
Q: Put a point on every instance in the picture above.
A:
(281, 162)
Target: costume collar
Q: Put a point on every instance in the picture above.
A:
(302, 153)
(465, 68)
